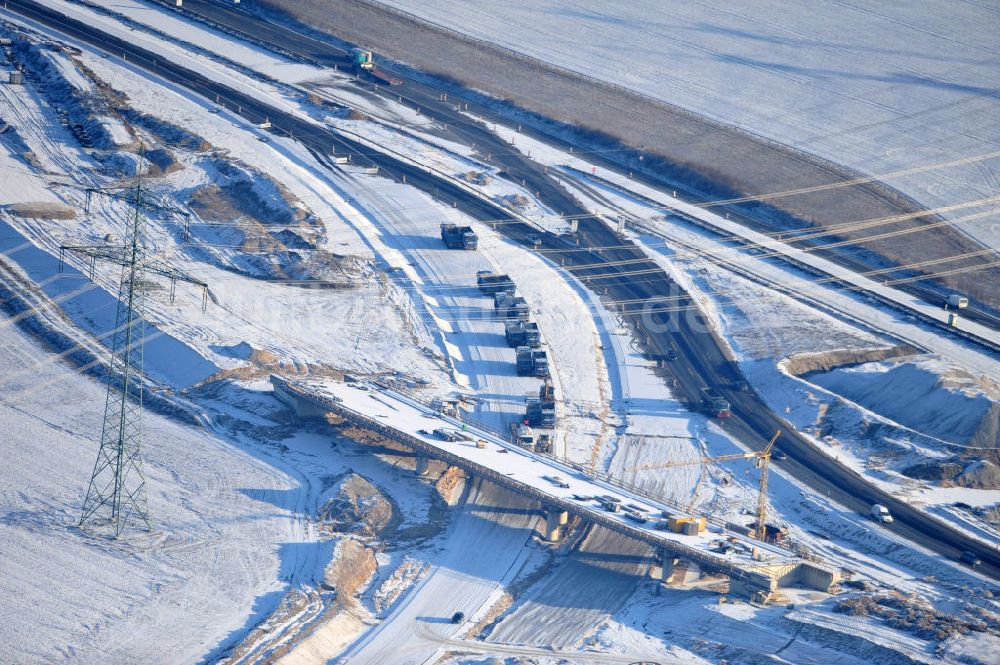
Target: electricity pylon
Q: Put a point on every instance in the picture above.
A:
(116, 494)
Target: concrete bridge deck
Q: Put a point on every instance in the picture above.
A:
(409, 422)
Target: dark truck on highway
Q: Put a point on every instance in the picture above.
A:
(491, 282)
(714, 404)
(531, 362)
(459, 237)
(522, 333)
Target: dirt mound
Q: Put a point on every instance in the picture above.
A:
(161, 162)
(167, 133)
(260, 229)
(358, 507)
(980, 474)
(451, 484)
(934, 471)
(350, 569)
(41, 210)
(83, 103)
(824, 361)
(918, 616)
(923, 395)
(987, 434)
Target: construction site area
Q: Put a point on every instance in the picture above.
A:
(426, 332)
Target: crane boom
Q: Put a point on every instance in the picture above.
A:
(700, 460)
(763, 462)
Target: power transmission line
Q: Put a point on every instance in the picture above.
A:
(116, 493)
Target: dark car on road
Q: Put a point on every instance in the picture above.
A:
(970, 558)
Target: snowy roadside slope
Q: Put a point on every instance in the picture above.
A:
(839, 302)
(485, 548)
(878, 88)
(592, 583)
(74, 598)
(299, 325)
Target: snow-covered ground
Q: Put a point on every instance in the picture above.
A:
(880, 88)
(215, 546)
(769, 312)
(209, 41)
(254, 478)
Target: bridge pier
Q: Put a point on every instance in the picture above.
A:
(423, 461)
(755, 587)
(555, 520)
(302, 408)
(665, 561)
(671, 570)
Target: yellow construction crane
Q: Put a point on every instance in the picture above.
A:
(762, 460)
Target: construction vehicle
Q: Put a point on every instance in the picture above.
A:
(500, 297)
(762, 460)
(523, 435)
(531, 362)
(448, 434)
(541, 411)
(459, 237)
(956, 301)
(538, 414)
(513, 307)
(610, 504)
(881, 514)
(525, 363)
(638, 518)
(543, 444)
(522, 333)
(532, 411)
(491, 282)
(714, 403)
(362, 60)
(540, 364)
(547, 395)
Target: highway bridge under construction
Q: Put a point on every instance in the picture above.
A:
(755, 569)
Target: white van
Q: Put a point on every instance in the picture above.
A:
(881, 514)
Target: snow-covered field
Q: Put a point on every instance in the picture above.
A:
(242, 560)
(215, 547)
(878, 87)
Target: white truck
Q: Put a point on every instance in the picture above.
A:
(955, 301)
(881, 514)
